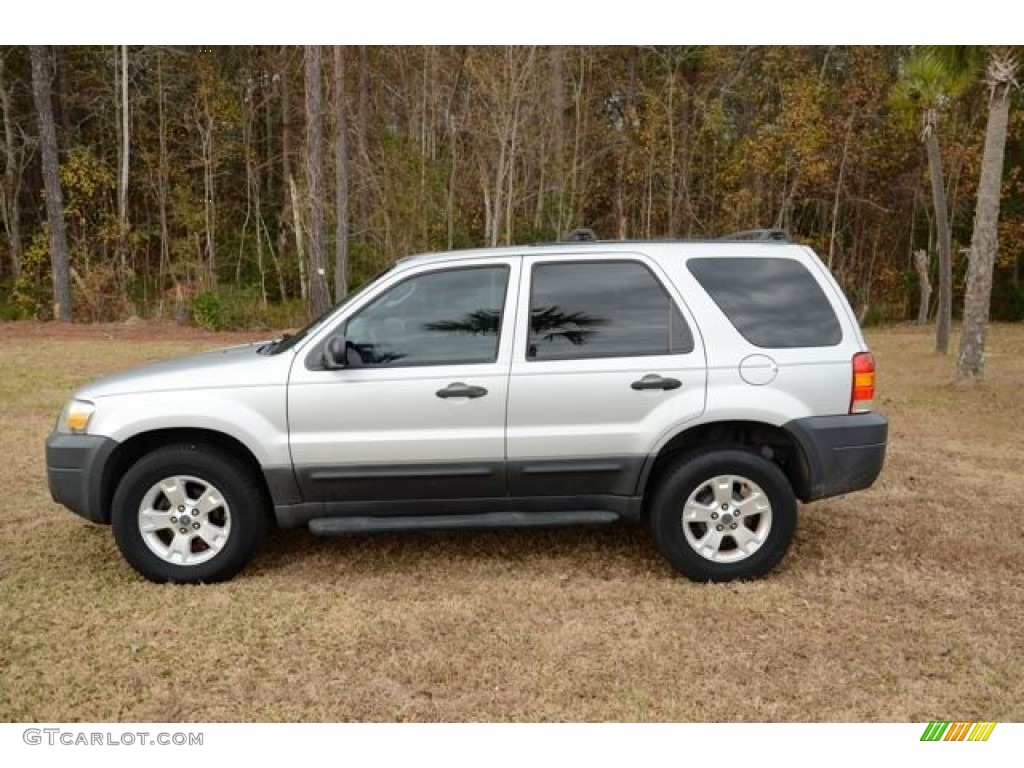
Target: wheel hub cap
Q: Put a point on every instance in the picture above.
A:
(727, 518)
(184, 520)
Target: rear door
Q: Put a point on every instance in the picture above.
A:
(605, 362)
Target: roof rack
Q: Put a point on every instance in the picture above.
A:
(581, 235)
(764, 235)
(758, 235)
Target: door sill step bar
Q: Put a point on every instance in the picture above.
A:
(334, 526)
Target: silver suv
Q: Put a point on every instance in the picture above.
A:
(700, 388)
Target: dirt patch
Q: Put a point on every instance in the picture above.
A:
(134, 329)
(899, 603)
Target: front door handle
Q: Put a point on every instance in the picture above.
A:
(654, 381)
(458, 389)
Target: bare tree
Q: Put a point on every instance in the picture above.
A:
(318, 295)
(124, 160)
(290, 203)
(340, 175)
(163, 173)
(362, 135)
(557, 91)
(10, 187)
(51, 180)
(501, 79)
(205, 126)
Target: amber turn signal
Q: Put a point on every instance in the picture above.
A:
(863, 391)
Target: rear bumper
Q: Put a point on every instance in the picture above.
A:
(841, 453)
(74, 470)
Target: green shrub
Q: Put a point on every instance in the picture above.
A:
(208, 310)
(228, 308)
(287, 314)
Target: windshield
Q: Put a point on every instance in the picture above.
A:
(289, 340)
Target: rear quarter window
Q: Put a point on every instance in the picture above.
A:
(774, 303)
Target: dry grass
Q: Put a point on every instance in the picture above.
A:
(900, 603)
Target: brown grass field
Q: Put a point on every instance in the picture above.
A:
(901, 603)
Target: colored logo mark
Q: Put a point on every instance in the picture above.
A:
(946, 731)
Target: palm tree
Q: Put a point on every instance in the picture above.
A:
(999, 65)
(925, 88)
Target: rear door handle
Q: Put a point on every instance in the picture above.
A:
(458, 389)
(654, 381)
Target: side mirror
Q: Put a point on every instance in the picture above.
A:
(335, 356)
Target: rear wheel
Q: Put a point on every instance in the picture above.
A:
(189, 514)
(723, 514)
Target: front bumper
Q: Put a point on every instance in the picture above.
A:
(75, 467)
(841, 453)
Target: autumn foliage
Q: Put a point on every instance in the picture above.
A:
(466, 146)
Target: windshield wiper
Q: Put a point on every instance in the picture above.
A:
(271, 346)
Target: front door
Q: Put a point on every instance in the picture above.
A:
(419, 413)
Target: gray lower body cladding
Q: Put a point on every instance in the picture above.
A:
(74, 470)
(471, 488)
(841, 454)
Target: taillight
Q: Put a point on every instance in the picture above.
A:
(863, 382)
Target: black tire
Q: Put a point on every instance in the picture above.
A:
(767, 536)
(239, 521)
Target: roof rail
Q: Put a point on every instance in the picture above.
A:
(770, 235)
(766, 235)
(581, 235)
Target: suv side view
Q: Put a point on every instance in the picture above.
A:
(699, 387)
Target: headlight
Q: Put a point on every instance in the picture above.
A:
(75, 417)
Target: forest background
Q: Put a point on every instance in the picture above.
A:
(251, 186)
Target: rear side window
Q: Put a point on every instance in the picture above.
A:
(592, 309)
(773, 303)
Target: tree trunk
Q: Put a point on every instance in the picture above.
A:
(340, 176)
(670, 187)
(836, 199)
(9, 193)
(944, 314)
(450, 201)
(362, 135)
(163, 175)
(51, 180)
(300, 249)
(248, 118)
(921, 264)
(124, 157)
(984, 240)
(205, 126)
(268, 190)
(319, 298)
(558, 134)
(288, 198)
(574, 211)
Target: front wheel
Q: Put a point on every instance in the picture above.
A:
(188, 514)
(723, 514)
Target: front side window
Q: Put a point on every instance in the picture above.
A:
(439, 318)
(602, 309)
